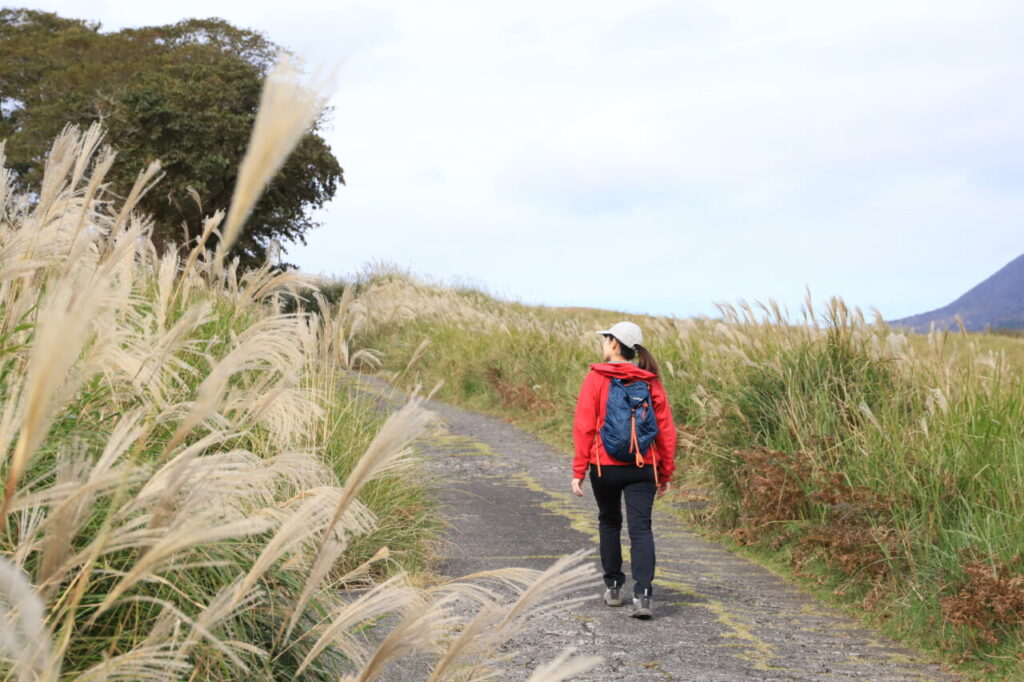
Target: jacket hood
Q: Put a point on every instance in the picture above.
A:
(622, 370)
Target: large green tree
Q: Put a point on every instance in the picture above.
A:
(185, 94)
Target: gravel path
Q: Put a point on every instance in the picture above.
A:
(717, 616)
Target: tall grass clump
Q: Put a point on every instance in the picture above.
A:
(888, 465)
(884, 466)
(192, 487)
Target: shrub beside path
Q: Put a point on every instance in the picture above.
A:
(717, 616)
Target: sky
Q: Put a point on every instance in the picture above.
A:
(658, 157)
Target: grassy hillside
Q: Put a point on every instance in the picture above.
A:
(884, 468)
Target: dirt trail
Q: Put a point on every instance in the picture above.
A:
(717, 616)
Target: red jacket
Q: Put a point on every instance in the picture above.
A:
(590, 409)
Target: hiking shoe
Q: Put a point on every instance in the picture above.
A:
(612, 597)
(642, 608)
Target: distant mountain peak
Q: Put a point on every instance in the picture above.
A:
(996, 303)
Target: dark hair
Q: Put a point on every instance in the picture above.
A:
(644, 361)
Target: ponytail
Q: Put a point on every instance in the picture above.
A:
(646, 361)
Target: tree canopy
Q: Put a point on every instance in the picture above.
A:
(185, 94)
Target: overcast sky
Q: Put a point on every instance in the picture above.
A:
(661, 156)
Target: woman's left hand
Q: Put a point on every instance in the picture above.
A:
(663, 487)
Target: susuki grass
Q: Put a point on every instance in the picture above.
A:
(885, 468)
(287, 109)
(192, 487)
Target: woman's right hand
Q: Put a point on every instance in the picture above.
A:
(577, 487)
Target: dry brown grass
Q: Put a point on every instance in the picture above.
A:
(988, 599)
(516, 395)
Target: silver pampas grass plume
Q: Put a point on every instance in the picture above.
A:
(288, 108)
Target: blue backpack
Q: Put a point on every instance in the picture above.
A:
(629, 423)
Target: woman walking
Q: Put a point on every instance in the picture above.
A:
(624, 435)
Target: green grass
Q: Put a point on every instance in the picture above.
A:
(885, 468)
(406, 509)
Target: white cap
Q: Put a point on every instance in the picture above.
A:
(627, 333)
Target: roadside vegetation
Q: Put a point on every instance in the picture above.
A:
(194, 486)
(885, 469)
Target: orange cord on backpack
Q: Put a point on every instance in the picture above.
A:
(634, 442)
(634, 447)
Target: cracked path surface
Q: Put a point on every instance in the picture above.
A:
(717, 616)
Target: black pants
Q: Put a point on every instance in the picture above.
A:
(636, 485)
